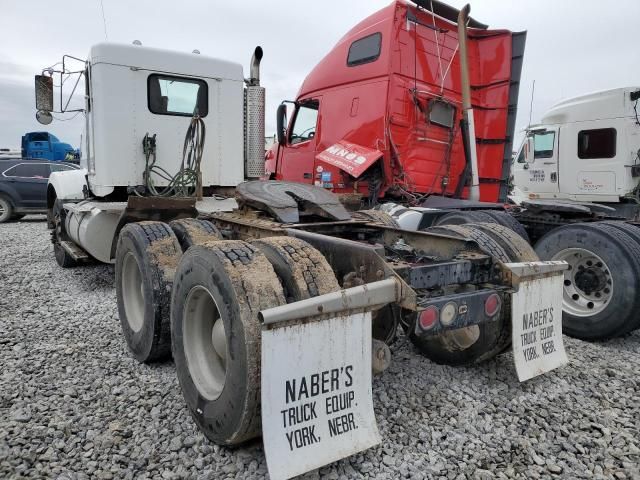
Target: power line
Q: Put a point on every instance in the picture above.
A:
(104, 20)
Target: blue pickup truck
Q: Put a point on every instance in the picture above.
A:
(46, 146)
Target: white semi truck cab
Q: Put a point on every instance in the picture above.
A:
(134, 90)
(586, 149)
(138, 104)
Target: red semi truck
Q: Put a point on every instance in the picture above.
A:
(415, 107)
(382, 116)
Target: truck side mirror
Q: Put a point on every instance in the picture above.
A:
(529, 150)
(44, 93)
(281, 123)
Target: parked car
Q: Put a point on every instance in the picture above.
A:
(23, 185)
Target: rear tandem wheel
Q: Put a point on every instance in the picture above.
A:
(477, 343)
(498, 217)
(216, 335)
(193, 231)
(600, 298)
(146, 258)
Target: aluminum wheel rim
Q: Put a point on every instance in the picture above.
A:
(3, 208)
(205, 343)
(576, 299)
(133, 292)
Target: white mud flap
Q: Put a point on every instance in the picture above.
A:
(536, 314)
(317, 404)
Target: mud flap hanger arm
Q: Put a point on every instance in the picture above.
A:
(369, 296)
(514, 273)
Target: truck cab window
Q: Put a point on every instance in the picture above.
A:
(169, 95)
(364, 50)
(304, 125)
(598, 143)
(543, 144)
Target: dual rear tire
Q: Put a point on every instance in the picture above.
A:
(483, 216)
(478, 343)
(202, 305)
(216, 333)
(147, 255)
(600, 298)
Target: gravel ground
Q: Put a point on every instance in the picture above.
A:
(74, 404)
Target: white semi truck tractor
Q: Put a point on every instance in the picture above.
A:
(576, 180)
(576, 198)
(272, 299)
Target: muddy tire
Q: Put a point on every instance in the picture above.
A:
(302, 270)
(600, 297)
(509, 221)
(486, 243)
(147, 255)
(513, 244)
(470, 345)
(6, 209)
(194, 231)
(216, 335)
(376, 216)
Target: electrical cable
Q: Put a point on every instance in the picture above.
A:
(67, 119)
(187, 181)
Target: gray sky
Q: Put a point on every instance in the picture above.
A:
(573, 46)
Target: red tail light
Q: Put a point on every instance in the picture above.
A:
(492, 304)
(428, 317)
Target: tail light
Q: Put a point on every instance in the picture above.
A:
(448, 313)
(492, 304)
(428, 318)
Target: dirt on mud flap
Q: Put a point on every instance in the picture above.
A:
(536, 314)
(317, 404)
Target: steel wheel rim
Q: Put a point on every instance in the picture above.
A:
(462, 338)
(133, 292)
(205, 343)
(576, 299)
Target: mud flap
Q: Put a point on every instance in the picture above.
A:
(317, 404)
(536, 314)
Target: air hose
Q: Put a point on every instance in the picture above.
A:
(188, 181)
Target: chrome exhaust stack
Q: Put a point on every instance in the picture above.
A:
(470, 130)
(254, 70)
(254, 102)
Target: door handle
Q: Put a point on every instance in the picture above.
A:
(549, 163)
(307, 175)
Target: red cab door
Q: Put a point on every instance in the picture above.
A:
(297, 156)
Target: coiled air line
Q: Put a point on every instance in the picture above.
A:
(188, 181)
